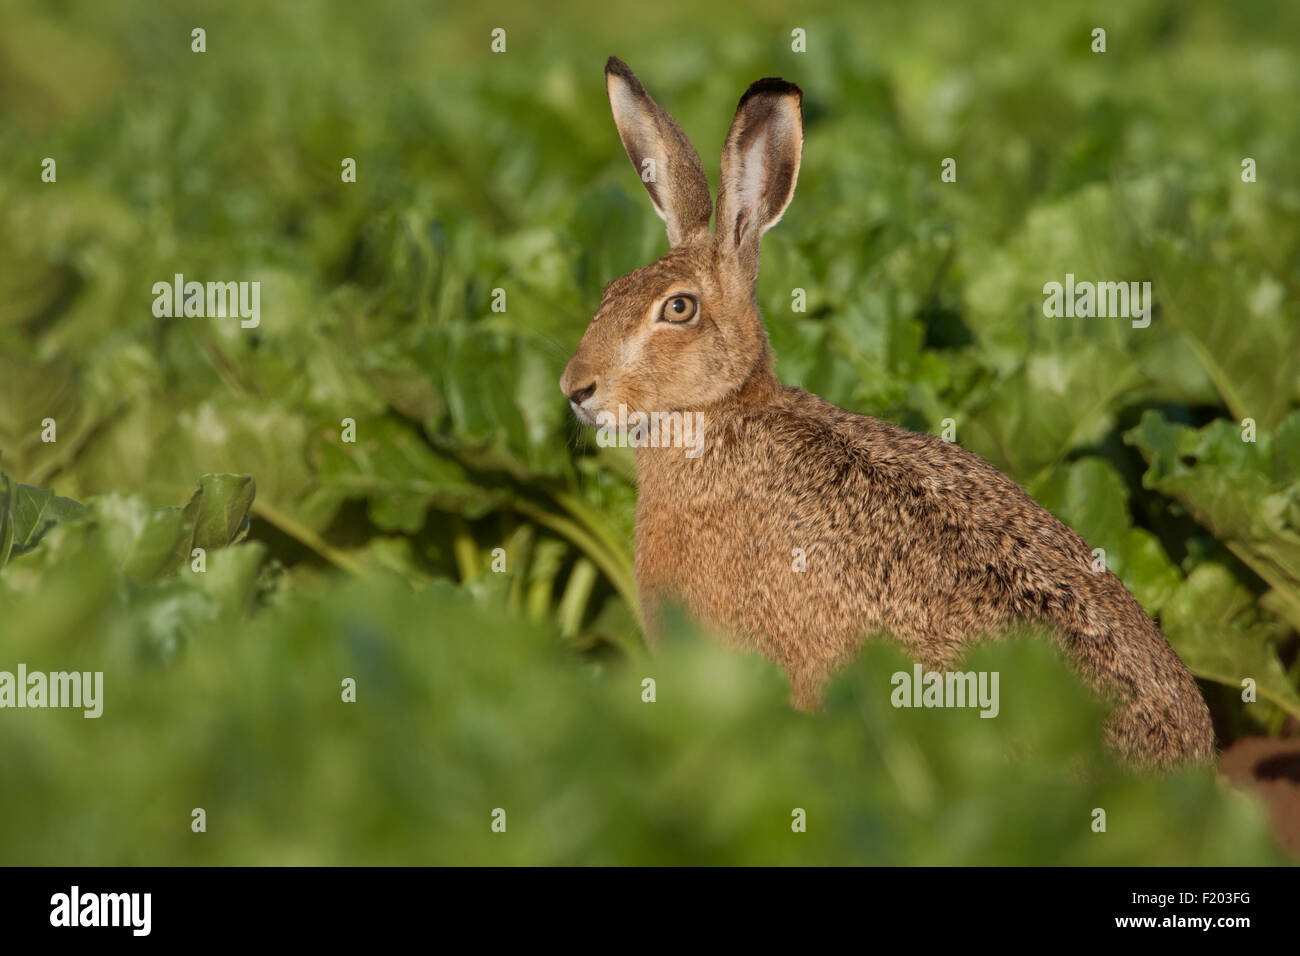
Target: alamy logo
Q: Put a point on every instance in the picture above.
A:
(55, 689)
(1086, 300)
(946, 689)
(216, 300)
(103, 909)
(651, 430)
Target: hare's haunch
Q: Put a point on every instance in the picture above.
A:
(900, 533)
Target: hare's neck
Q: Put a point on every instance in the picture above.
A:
(761, 388)
(693, 440)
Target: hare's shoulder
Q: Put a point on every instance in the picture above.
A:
(836, 447)
(819, 431)
(867, 467)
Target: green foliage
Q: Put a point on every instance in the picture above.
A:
(461, 710)
(121, 569)
(26, 513)
(1247, 493)
(375, 558)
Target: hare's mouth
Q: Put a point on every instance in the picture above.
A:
(583, 414)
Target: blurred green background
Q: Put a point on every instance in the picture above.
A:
(476, 171)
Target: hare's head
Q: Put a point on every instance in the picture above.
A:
(684, 332)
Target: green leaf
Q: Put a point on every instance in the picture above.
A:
(1054, 402)
(400, 477)
(1089, 495)
(161, 545)
(1237, 322)
(27, 513)
(1216, 628)
(218, 511)
(1247, 493)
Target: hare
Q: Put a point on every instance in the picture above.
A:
(901, 533)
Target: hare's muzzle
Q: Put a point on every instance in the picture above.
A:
(579, 393)
(578, 396)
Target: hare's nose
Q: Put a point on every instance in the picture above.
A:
(578, 396)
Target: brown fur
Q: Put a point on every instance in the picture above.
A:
(903, 533)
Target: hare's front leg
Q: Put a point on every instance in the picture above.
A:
(808, 680)
(806, 693)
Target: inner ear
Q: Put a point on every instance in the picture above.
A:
(760, 165)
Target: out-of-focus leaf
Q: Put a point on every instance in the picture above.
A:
(1247, 493)
(461, 708)
(26, 513)
(1214, 625)
(218, 511)
(160, 546)
(1091, 498)
(399, 476)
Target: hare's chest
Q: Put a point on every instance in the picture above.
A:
(718, 553)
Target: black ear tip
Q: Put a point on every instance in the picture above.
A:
(770, 86)
(617, 67)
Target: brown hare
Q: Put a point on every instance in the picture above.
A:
(901, 533)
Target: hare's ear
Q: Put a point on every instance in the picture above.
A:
(760, 163)
(664, 158)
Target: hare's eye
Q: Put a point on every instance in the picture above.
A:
(680, 308)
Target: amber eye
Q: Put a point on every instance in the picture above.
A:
(680, 308)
